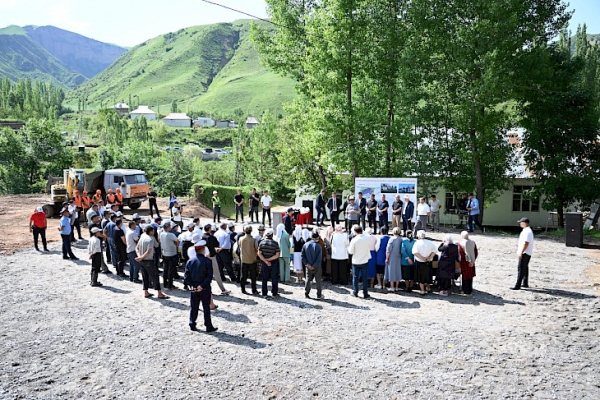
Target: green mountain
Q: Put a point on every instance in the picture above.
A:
(54, 55)
(21, 57)
(213, 68)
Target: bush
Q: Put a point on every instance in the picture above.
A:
(203, 194)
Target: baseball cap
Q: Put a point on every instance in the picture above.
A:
(471, 194)
(213, 227)
(524, 219)
(64, 210)
(39, 209)
(315, 235)
(96, 230)
(191, 225)
(173, 224)
(157, 219)
(351, 198)
(119, 214)
(269, 232)
(261, 228)
(136, 216)
(290, 209)
(231, 225)
(199, 242)
(215, 192)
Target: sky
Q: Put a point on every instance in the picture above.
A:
(128, 23)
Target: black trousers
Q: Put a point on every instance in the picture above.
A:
(39, 232)
(66, 246)
(444, 283)
(107, 249)
(96, 266)
(361, 219)
(271, 272)
(122, 254)
(406, 225)
(253, 212)
(467, 286)
(224, 262)
(249, 269)
(523, 271)
(240, 210)
(153, 205)
(150, 273)
(339, 272)
(472, 221)
(169, 270)
(372, 222)
(195, 299)
(266, 211)
(335, 218)
(383, 221)
(216, 214)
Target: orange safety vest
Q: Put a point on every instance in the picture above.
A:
(119, 198)
(97, 198)
(110, 198)
(77, 201)
(87, 202)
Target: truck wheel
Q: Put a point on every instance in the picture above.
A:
(135, 206)
(48, 210)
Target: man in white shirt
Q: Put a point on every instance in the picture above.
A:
(266, 201)
(423, 212)
(360, 248)
(224, 252)
(434, 208)
(177, 211)
(524, 252)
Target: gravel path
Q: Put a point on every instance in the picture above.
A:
(63, 339)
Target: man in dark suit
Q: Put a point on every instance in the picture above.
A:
(407, 214)
(334, 205)
(198, 275)
(320, 207)
(362, 203)
(288, 221)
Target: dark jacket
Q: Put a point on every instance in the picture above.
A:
(288, 224)
(312, 254)
(338, 204)
(409, 210)
(320, 203)
(211, 243)
(363, 206)
(198, 272)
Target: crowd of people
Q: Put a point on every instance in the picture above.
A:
(209, 252)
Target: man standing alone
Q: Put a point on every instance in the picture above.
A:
(216, 203)
(37, 226)
(239, 205)
(266, 201)
(473, 209)
(198, 275)
(253, 205)
(152, 202)
(524, 252)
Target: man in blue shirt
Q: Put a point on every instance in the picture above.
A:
(65, 233)
(198, 275)
(109, 231)
(312, 254)
(473, 209)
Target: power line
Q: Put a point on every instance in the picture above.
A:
(241, 12)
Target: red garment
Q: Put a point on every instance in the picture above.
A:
(466, 271)
(39, 219)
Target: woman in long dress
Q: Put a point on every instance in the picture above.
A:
(298, 243)
(283, 239)
(393, 261)
(408, 261)
(468, 255)
(446, 265)
(380, 259)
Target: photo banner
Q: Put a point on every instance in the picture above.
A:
(390, 187)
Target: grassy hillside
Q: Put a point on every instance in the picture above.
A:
(211, 67)
(21, 57)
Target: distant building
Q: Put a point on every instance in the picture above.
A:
(204, 122)
(121, 108)
(145, 111)
(226, 124)
(15, 125)
(251, 122)
(178, 120)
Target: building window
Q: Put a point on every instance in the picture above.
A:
(523, 201)
(449, 203)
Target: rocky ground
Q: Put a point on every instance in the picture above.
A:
(63, 339)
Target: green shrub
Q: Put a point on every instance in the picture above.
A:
(203, 194)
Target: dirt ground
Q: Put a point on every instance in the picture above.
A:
(15, 211)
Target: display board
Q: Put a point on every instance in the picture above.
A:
(390, 187)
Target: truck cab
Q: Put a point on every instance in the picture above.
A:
(132, 182)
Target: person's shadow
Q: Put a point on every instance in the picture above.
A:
(236, 340)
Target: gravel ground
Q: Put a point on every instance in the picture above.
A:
(63, 339)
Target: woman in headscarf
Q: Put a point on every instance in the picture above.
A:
(446, 265)
(327, 242)
(298, 243)
(372, 265)
(283, 239)
(380, 258)
(408, 261)
(339, 257)
(468, 255)
(393, 258)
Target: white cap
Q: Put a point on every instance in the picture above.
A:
(215, 192)
(200, 242)
(39, 209)
(96, 230)
(269, 232)
(119, 214)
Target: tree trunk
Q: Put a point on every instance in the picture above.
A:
(322, 177)
(561, 217)
(477, 162)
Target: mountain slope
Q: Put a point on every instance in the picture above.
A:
(211, 67)
(21, 57)
(79, 53)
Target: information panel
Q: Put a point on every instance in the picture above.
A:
(390, 187)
